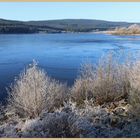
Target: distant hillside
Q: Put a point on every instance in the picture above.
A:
(58, 26)
(11, 27)
(79, 24)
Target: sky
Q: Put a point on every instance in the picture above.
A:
(111, 11)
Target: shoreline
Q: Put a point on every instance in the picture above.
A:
(117, 34)
(96, 32)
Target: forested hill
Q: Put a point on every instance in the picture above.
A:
(58, 26)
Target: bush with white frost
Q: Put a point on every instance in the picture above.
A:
(34, 92)
(107, 82)
(134, 95)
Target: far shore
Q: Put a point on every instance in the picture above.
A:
(113, 32)
(133, 30)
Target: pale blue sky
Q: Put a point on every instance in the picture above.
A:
(112, 11)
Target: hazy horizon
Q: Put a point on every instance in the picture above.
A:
(108, 11)
(66, 19)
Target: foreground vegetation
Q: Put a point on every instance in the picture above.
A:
(103, 102)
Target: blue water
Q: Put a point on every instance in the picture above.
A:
(59, 54)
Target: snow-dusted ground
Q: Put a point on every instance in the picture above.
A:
(110, 120)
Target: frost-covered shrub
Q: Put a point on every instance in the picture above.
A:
(34, 92)
(134, 96)
(106, 83)
(57, 125)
